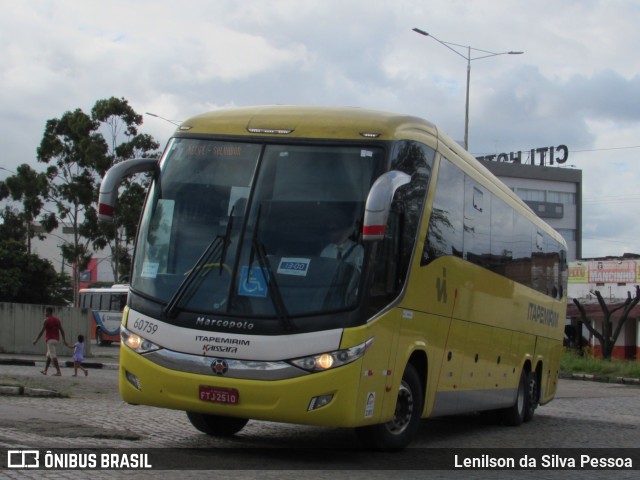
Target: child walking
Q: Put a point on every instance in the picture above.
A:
(78, 356)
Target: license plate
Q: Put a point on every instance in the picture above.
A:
(219, 395)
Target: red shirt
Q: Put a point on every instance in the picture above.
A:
(52, 327)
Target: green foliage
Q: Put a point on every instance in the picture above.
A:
(24, 277)
(78, 149)
(30, 188)
(77, 157)
(119, 119)
(571, 362)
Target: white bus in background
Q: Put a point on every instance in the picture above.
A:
(106, 305)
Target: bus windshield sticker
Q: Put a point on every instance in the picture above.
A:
(253, 284)
(294, 266)
(149, 270)
(366, 153)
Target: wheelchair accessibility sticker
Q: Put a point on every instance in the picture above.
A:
(253, 283)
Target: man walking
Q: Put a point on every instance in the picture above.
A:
(52, 329)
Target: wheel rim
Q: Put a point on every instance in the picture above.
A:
(532, 391)
(404, 411)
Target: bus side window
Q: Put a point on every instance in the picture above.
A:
(95, 301)
(445, 234)
(118, 302)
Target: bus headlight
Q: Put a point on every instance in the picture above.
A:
(325, 361)
(136, 342)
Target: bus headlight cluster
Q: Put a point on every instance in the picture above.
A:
(325, 361)
(136, 342)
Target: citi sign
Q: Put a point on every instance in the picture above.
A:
(543, 155)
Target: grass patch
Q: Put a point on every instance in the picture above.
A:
(571, 362)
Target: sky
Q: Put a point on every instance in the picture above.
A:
(577, 83)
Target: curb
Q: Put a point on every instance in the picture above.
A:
(67, 363)
(28, 392)
(600, 378)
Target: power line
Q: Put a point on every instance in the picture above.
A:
(622, 241)
(586, 150)
(605, 149)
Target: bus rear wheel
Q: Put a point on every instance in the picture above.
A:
(216, 425)
(100, 339)
(526, 401)
(398, 432)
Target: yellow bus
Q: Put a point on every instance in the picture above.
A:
(336, 267)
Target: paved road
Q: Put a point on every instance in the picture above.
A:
(584, 415)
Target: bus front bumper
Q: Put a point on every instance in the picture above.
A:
(290, 400)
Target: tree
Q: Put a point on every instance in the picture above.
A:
(77, 155)
(30, 188)
(24, 277)
(607, 336)
(119, 119)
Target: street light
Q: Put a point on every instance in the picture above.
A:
(175, 122)
(468, 58)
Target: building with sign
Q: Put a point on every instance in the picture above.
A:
(614, 278)
(554, 193)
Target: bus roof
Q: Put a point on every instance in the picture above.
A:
(305, 122)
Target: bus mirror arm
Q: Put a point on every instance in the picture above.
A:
(378, 204)
(112, 179)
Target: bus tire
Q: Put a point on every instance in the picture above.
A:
(216, 425)
(532, 392)
(399, 431)
(525, 404)
(100, 339)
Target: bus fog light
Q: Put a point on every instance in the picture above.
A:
(133, 380)
(320, 401)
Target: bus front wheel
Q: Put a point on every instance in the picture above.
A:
(398, 432)
(216, 425)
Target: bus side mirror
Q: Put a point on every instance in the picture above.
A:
(378, 204)
(112, 179)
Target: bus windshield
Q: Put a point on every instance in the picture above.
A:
(255, 230)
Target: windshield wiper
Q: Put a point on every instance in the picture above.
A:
(218, 246)
(272, 285)
(172, 307)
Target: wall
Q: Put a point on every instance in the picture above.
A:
(20, 324)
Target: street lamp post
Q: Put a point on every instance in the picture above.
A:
(469, 59)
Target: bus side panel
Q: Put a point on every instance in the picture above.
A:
(485, 327)
(550, 350)
(377, 381)
(427, 333)
(108, 323)
(486, 369)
